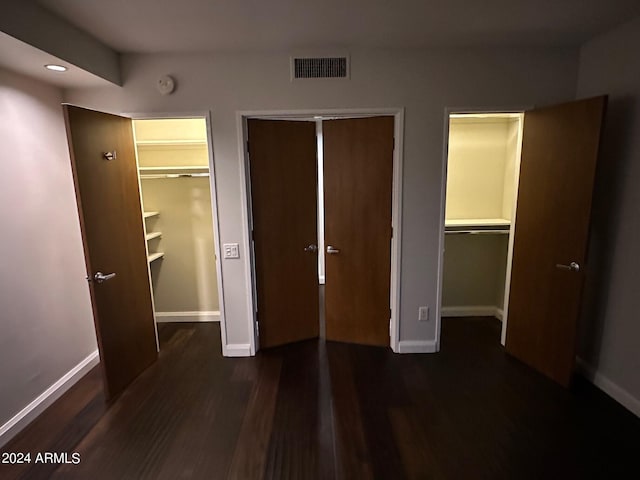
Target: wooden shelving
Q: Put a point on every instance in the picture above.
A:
(171, 143)
(477, 226)
(488, 231)
(477, 222)
(155, 256)
(174, 168)
(173, 172)
(152, 235)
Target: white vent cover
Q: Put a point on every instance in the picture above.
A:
(319, 67)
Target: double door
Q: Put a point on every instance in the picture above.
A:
(358, 167)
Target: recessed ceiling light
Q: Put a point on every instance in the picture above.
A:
(56, 68)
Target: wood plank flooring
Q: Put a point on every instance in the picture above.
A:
(329, 410)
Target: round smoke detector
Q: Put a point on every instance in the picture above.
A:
(166, 85)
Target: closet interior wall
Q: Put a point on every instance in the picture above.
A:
(481, 186)
(174, 177)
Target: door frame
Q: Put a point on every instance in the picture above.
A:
(443, 203)
(206, 114)
(396, 209)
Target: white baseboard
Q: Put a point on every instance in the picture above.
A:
(472, 311)
(46, 398)
(609, 387)
(165, 317)
(237, 350)
(418, 346)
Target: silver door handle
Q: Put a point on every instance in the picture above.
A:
(573, 266)
(100, 277)
(311, 248)
(332, 251)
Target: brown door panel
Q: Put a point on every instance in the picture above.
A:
(108, 199)
(559, 154)
(283, 171)
(358, 172)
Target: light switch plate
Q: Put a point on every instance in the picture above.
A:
(423, 314)
(230, 250)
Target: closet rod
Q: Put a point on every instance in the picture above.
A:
(475, 232)
(174, 175)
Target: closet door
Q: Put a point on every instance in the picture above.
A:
(283, 171)
(559, 153)
(358, 173)
(113, 237)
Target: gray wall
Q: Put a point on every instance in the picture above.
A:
(610, 333)
(475, 268)
(36, 26)
(46, 321)
(422, 81)
(185, 279)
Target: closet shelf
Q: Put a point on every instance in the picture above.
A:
(155, 256)
(152, 235)
(150, 214)
(185, 168)
(476, 222)
(171, 143)
(491, 231)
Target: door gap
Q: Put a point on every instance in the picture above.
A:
(320, 200)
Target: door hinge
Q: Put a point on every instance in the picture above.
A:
(391, 232)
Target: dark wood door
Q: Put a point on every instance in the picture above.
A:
(113, 236)
(358, 177)
(559, 153)
(283, 171)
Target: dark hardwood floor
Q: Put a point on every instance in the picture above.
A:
(315, 410)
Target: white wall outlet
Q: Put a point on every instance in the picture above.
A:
(231, 250)
(423, 314)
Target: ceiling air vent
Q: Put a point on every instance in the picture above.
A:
(319, 67)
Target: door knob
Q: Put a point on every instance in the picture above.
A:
(573, 266)
(332, 251)
(100, 277)
(311, 248)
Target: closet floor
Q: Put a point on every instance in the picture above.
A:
(328, 410)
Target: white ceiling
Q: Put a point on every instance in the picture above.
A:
(208, 25)
(23, 58)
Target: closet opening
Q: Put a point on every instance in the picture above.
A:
(176, 195)
(482, 175)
